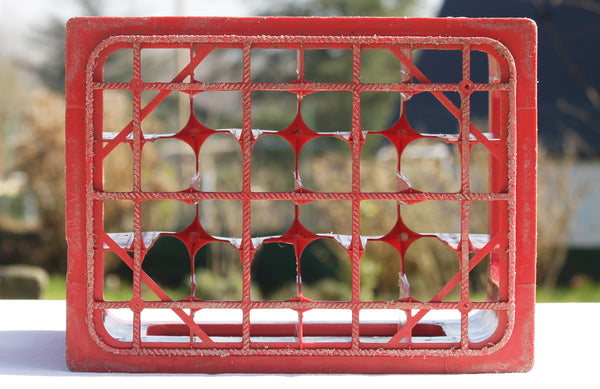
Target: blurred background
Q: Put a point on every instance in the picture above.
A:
(32, 242)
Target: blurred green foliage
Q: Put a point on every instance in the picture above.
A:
(324, 165)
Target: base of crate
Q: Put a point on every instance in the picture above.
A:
(89, 353)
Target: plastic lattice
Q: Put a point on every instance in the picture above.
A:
(154, 330)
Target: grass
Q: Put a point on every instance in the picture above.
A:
(581, 294)
(586, 291)
(57, 290)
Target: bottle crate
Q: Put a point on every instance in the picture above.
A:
(219, 198)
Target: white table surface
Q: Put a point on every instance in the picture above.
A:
(32, 351)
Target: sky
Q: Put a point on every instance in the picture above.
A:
(17, 17)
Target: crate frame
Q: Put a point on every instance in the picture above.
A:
(512, 42)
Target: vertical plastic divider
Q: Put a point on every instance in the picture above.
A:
(406, 78)
(95, 183)
(247, 246)
(182, 123)
(405, 56)
(137, 88)
(504, 181)
(95, 168)
(300, 67)
(356, 194)
(465, 141)
(297, 251)
(300, 327)
(498, 176)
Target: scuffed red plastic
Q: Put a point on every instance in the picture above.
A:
(314, 339)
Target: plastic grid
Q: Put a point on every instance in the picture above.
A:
(313, 331)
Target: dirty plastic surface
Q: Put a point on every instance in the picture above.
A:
(300, 334)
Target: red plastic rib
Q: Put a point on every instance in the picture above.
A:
(300, 334)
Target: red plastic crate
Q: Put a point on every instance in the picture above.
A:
(299, 334)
